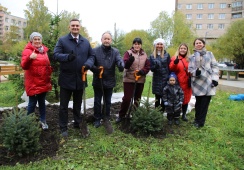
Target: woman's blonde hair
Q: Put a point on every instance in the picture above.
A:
(177, 53)
(155, 52)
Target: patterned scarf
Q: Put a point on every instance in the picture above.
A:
(41, 49)
(198, 56)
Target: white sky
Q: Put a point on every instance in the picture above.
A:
(99, 16)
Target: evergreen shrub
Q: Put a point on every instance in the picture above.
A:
(146, 118)
(20, 132)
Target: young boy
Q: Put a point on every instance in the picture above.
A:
(173, 97)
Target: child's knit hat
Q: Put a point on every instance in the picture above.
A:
(172, 74)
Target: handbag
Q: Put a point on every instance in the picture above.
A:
(189, 77)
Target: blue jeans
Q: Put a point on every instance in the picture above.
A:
(40, 98)
(97, 102)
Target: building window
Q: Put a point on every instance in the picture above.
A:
(24, 24)
(6, 20)
(210, 16)
(236, 4)
(210, 26)
(222, 5)
(199, 6)
(211, 6)
(13, 21)
(188, 16)
(237, 15)
(188, 6)
(199, 16)
(221, 16)
(179, 6)
(198, 26)
(19, 23)
(221, 26)
(6, 28)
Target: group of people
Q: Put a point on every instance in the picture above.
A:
(175, 78)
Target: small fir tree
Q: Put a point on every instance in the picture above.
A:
(20, 132)
(146, 118)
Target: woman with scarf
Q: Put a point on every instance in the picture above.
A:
(159, 65)
(204, 71)
(38, 71)
(179, 65)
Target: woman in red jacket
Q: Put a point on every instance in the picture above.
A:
(38, 71)
(179, 65)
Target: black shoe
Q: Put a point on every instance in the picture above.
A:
(177, 122)
(97, 123)
(118, 120)
(64, 133)
(184, 118)
(170, 122)
(198, 125)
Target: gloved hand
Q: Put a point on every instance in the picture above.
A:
(131, 58)
(86, 67)
(95, 70)
(180, 103)
(71, 56)
(176, 60)
(121, 66)
(215, 83)
(140, 73)
(157, 63)
(198, 72)
(166, 103)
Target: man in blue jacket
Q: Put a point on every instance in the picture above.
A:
(108, 58)
(73, 52)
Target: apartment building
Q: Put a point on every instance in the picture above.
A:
(6, 21)
(211, 18)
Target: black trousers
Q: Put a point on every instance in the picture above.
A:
(159, 102)
(65, 96)
(97, 102)
(201, 109)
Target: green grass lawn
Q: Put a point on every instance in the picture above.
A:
(218, 145)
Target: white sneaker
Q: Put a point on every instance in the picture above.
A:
(44, 125)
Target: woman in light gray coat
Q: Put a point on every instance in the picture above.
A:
(204, 71)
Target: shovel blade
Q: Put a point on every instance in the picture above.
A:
(108, 126)
(84, 129)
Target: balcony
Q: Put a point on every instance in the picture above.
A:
(235, 9)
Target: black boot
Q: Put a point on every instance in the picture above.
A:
(184, 118)
(177, 122)
(184, 109)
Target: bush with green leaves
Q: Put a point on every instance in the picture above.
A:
(20, 132)
(146, 118)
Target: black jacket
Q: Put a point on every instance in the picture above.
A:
(108, 57)
(70, 76)
(160, 68)
(174, 95)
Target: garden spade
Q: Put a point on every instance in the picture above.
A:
(132, 99)
(107, 123)
(83, 127)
